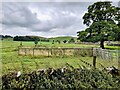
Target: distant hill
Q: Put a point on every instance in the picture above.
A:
(62, 38)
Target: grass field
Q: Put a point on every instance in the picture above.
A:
(62, 38)
(12, 62)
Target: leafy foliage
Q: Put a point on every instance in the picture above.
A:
(25, 38)
(100, 30)
(71, 40)
(101, 11)
(36, 42)
(64, 41)
(101, 20)
(61, 78)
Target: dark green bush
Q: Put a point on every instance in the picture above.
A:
(70, 78)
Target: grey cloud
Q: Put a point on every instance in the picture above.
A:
(15, 14)
(64, 18)
(63, 15)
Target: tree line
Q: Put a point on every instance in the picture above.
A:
(24, 38)
(29, 38)
(5, 36)
(36, 39)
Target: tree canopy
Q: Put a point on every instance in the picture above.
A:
(103, 21)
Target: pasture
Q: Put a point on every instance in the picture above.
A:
(11, 61)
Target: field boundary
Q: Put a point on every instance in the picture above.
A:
(104, 54)
(41, 51)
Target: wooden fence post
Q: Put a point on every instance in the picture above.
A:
(94, 57)
(18, 50)
(119, 59)
(94, 61)
(33, 52)
(25, 52)
(48, 49)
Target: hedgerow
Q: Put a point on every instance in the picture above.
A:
(61, 78)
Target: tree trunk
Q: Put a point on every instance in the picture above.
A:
(102, 44)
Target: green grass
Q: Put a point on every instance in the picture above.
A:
(62, 38)
(113, 47)
(11, 61)
(15, 44)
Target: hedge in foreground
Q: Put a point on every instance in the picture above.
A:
(66, 78)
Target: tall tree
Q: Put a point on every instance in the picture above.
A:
(102, 19)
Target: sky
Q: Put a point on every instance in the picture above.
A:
(47, 19)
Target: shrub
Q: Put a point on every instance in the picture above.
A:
(61, 78)
(71, 40)
(64, 41)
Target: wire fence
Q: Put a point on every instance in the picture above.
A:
(106, 54)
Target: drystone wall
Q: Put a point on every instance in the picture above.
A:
(55, 51)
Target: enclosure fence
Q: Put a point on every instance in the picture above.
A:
(55, 51)
(106, 54)
(43, 51)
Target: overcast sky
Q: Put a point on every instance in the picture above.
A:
(48, 19)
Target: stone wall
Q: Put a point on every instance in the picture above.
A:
(55, 51)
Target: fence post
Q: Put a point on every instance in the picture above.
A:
(18, 50)
(25, 52)
(94, 61)
(33, 52)
(48, 52)
(94, 52)
(94, 57)
(118, 59)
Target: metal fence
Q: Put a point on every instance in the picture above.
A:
(105, 54)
